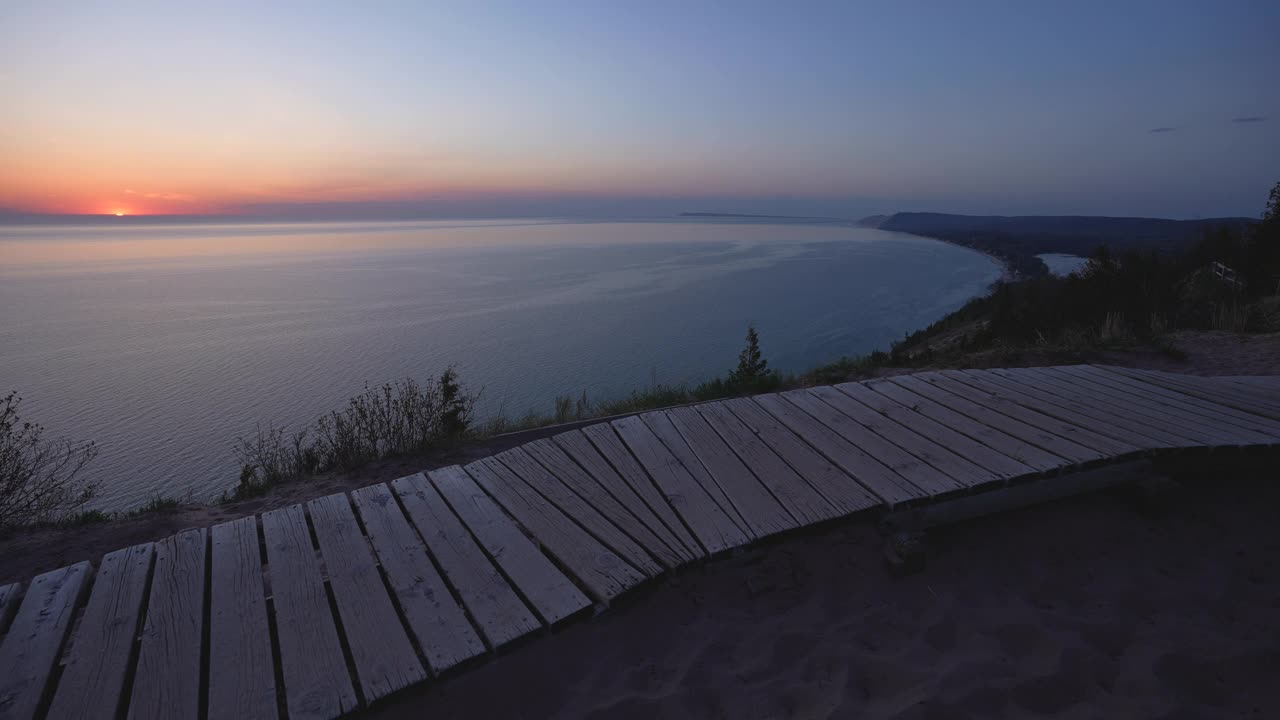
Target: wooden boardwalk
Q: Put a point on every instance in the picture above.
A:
(318, 609)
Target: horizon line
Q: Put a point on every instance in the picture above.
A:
(9, 217)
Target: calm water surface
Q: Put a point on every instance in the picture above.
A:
(1062, 264)
(164, 343)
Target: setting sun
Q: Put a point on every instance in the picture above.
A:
(119, 214)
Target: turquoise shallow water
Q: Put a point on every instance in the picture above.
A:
(163, 343)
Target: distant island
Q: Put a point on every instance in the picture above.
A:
(759, 217)
(1017, 240)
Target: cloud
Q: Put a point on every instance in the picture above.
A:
(1249, 119)
(1162, 130)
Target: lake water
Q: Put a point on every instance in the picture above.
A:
(1062, 264)
(165, 343)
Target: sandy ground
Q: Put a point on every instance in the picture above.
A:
(1206, 353)
(1102, 606)
(27, 553)
(1210, 353)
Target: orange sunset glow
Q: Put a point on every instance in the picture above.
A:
(207, 109)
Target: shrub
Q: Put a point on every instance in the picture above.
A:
(267, 458)
(40, 477)
(390, 419)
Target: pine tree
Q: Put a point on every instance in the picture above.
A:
(1260, 265)
(752, 366)
(455, 405)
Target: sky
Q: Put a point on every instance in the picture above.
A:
(612, 108)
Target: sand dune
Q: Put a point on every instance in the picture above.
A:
(1094, 607)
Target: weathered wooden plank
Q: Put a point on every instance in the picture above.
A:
(1269, 384)
(500, 614)
(1265, 388)
(675, 443)
(34, 642)
(1267, 380)
(649, 507)
(166, 680)
(1221, 391)
(1249, 403)
(1244, 405)
(917, 471)
(1170, 406)
(755, 503)
(1070, 451)
(594, 565)
(549, 591)
(804, 503)
(603, 441)
(242, 679)
(964, 472)
(9, 595)
(544, 486)
(599, 500)
(434, 617)
(715, 529)
(1244, 384)
(1262, 387)
(316, 681)
(1006, 444)
(1257, 401)
(1130, 406)
(837, 488)
(1210, 403)
(1071, 408)
(874, 475)
(384, 659)
(1102, 445)
(1002, 466)
(94, 668)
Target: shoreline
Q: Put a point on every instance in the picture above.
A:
(1007, 271)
